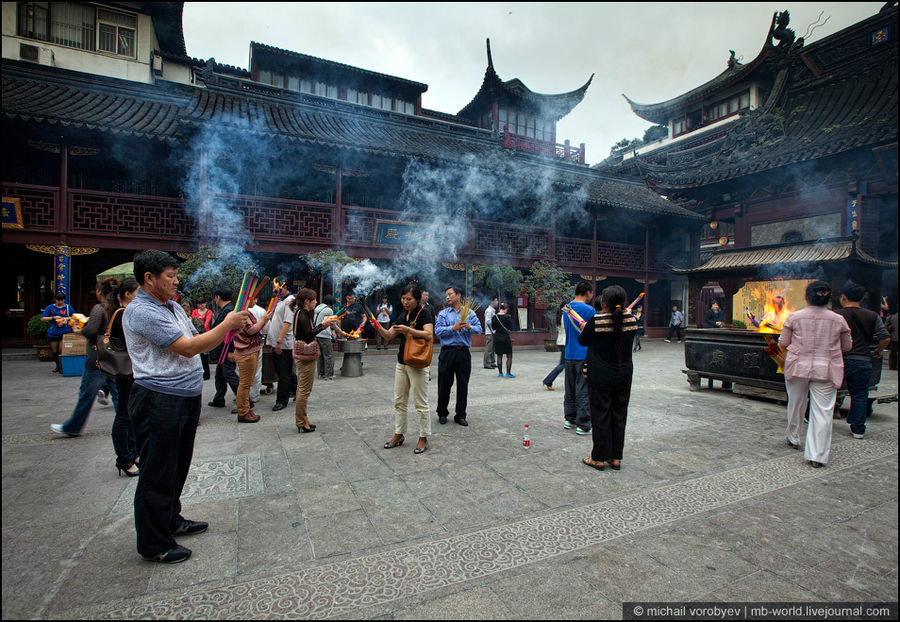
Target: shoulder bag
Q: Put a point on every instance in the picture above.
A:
(417, 352)
(304, 351)
(112, 354)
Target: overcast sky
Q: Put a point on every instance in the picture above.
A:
(648, 51)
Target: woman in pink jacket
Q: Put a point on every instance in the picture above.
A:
(815, 338)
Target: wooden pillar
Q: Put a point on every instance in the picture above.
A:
(338, 228)
(62, 254)
(594, 254)
(646, 301)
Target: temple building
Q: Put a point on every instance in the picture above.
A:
(116, 140)
(791, 158)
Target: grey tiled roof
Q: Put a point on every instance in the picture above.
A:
(171, 112)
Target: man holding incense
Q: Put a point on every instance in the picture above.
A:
(226, 370)
(281, 338)
(165, 402)
(454, 326)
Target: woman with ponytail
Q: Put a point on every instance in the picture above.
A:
(608, 336)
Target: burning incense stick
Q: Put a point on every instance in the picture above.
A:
(465, 307)
(573, 315)
(247, 286)
(636, 300)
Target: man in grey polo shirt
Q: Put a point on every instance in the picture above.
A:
(165, 402)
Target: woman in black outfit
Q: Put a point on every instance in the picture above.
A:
(501, 325)
(123, 439)
(608, 336)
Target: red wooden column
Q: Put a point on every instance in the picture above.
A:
(338, 228)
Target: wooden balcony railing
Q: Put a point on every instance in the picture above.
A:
(542, 147)
(275, 223)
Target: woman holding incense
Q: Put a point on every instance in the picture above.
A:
(303, 307)
(417, 322)
(608, 336)
(502, 325)
(247, 343)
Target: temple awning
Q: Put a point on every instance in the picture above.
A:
(820, 251)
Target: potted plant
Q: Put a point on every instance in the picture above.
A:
(37, 330)
(548, 284)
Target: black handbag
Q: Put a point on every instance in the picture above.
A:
(112, 354)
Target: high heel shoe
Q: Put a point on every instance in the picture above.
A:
(421, 450)
(128, 473)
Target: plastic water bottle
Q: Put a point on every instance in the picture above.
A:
(526, 439)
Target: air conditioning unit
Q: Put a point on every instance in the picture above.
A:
(35, 54)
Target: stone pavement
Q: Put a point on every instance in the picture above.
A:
(710, 505)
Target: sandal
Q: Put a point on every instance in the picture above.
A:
(600, 466)
(615, 465)
(397, 443)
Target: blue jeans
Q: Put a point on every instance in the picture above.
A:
(857, 375)
(91, 381)
(122, 432)
(576, 403)
(559, 367)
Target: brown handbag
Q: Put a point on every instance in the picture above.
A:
(112, 354)
(304, 351)
(417, 352)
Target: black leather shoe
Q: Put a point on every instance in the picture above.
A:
(190, 527)
(442, 420)
(311, 428)
(461, 421)
(216, 404)
(174, 555)
(279, 406)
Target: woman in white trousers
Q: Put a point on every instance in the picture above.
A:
(816, 339)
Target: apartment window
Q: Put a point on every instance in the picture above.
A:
(745, 100)
(679, 126)
(293, 83)
(351, 95)
(320, 88)
(362, 98)
(116, 32)
(80, 26)
(305, 86)
(386, 103)
(376, 100)
(331, 91)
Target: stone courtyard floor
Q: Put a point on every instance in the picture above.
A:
(710, 505)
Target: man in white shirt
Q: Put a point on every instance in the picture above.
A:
(281, 338)
(325, 364)
(383, 316)
(490, 361)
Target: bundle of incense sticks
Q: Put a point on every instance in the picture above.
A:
(466, 306)
(272, 302)
(250, 288)
(636, 300)
(568, 310)
(176, 297)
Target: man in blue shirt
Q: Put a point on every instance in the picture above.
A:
(455, 333)
(576, 406)
(164, 407)
(676, 325)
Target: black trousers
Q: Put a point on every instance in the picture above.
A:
(609, 390)
(677, 330)
(453, 363)
(287, 377)
(226, 376)
(164, 427)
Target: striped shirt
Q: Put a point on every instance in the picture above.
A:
(599, 337)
